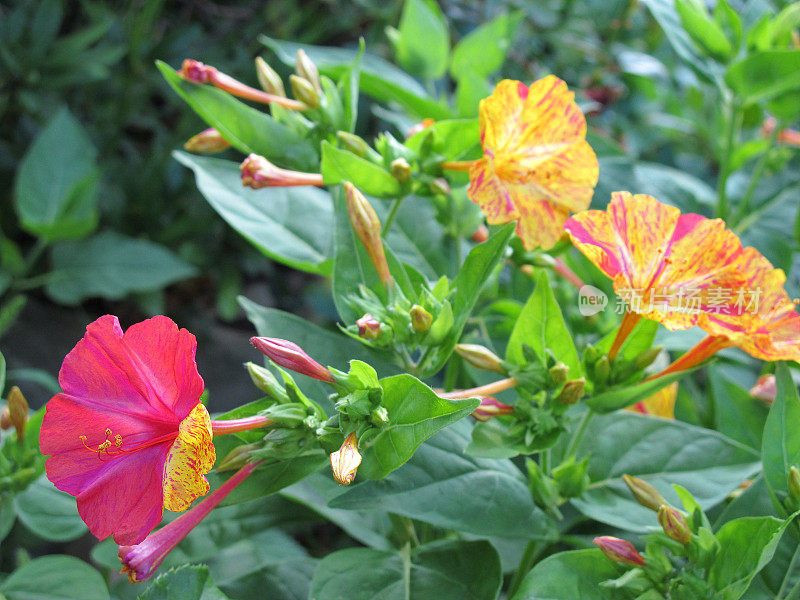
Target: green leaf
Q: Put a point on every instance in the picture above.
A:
(736, 414)
(705, 32)
(483, 50)
(289, 225)
(111, 266)
(7, 515)
(622, 397)
(453, 139)
(484, 496)
(470, 90)
(48, 512)
(781, 445)
(541, 326)
(56, 184)
(746, 546)
(340, 165)
(765, 75)
(423, 43)
(663, 453)
(55, 577)
(247, 129)
(415, 414)
(569, 576)
(445, 570)
(2, 373)
(189, 582)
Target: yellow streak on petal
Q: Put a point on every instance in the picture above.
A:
(192, 456)
(660, 404)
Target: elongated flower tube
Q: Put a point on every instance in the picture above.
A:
(140, 561)
(258, 172)
(291, 356)
(537, 165)
(128, 435)
(193, 70)
(620, 551)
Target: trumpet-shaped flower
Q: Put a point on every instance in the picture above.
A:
(128, 435)
(537, 165)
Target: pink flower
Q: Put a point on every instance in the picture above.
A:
(291, 356)
(128, 435)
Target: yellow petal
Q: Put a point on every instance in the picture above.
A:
(192, 456)
(660, 404)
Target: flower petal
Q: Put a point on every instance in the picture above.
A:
(492, 194)
(191, 456)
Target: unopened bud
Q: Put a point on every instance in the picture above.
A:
(440, 186)
(379, 416)
(236, 458)
(421, 319)
(304, 91)
(590, 354)
(291, 356)
(620, 551)
(345, 461)
(401, 170)
(367, 227)
(369, 327)
(268, 78)
(765, 389)
(306, 69)
(355, 144)
(264, 380)
(258, 172)
(194, 70)
(646, 358)
(5, 418)
(573, 391)
(645, 494)
(208, 141)
(674, 524)
(491, 407)
(794, 482)
(480, 357)
(18, 411)
(602, 369)
(421, 126)
(481, 234)
(559, 373)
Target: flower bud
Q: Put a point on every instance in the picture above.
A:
(421, 126)
(559, 373)
(674, 524)
(291, 356)
(602, 369)
(379, 416)
(794, 482)
(491, 407)
(480, 357)
(304, 91)
(765, 389)
(421, 319)
(258, 172)
(401, 170)
(264, 380)
(646, 358)
(268, 78)
(237, 458)
(369, 327)
(208, 141)
(345, 461)
(440, 186)
(367, 227)
(620, 551)
(355, 144)
(18, 411)
(306, 69)
(645, 494)
(481, 234)
(194, 70)
(5, 418)
(573, 391)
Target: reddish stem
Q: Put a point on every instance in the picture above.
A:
(560, 267)
(237, 88)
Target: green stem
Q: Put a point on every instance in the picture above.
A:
(733, 114)
(406, 554)
(32, 282)
(529, 556)
(545, 462)
(35, 253)
(786, 579)
(758, 171)
(576, 439)
(392, 214)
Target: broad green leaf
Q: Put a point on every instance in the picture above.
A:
(663, 453)
(483, 50)
(340, 165)
(247, 129)
(765, 75)
(781, 445)
(54, 577)
(569, 576)
(56, 184)
(736, 414)
(289, 225)
(415, 414)
(48, 512)
(746, 546)
(7, 514)
(623, 397)
(445, 570)
(783, 571)
(454, 139)
(485, 496)
(705, 32)
(416, 237)
(470, 90)
(423, 43)
(379, 78)
(638, 340)
(111, 266)
(188, 582)
(541, 326)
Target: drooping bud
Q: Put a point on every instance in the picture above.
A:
(674, 524)
(345, 461)
(645, 494)
(794, 482)
(5, 418)
(367, 227)
(421, 319)
(268, 78)
(440, 186)
(421, 126)
(480, 357)
(264, 380)
(765, 389)
(306, 69)
(18, 411)
(646, 358)
(291, 356)
(481, 234)
(491, 407)
(369, 327)
(304, 91)
(573, 391)
(208, 141)
(401, 170)
(620, 551)
(356, 144)
(258, 172)
(559, 373)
